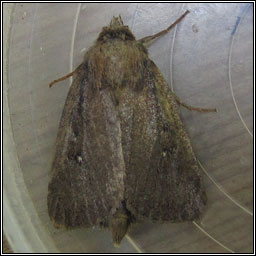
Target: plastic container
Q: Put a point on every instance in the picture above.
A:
(207, 60)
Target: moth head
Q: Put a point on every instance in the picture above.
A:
(116, 29)
(116, 22)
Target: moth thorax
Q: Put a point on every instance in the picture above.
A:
(122, 69)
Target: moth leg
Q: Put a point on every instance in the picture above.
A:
(65, 77)
(147, 39)
(194, 108)
(62, 78)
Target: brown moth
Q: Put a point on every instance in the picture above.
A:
(122, 153)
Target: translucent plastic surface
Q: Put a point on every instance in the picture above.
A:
(207, 60)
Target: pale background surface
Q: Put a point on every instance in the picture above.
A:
(207, 60)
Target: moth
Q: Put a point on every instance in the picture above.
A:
(122, 153)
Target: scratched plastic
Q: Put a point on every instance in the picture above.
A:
(207, 60)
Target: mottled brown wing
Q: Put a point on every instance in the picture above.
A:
(86, 183)
(163, 182)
